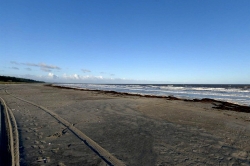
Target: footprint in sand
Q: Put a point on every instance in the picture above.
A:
(28, 131)
(55, 150)
(61, 164)
(39, 159)
(47, 160)
(241, 155)
(57, 135)
(34, 146)
(43, 142)
(41, 147)
(41, 151)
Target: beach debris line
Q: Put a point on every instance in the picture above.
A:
(223, 105)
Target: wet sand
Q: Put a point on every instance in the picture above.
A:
(134, 129)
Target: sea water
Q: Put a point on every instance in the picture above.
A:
(239, 94)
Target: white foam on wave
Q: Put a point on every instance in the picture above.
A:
(235, 95)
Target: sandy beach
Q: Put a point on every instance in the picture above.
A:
(134, 130)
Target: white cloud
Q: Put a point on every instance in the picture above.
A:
(45, 70)
(49, 66)
(44, 67)
(82, 79)
(14, 62)
(104, 73)
(99, 77)
(75, 78)
(86, 71)
(51, 75)
(15, 68)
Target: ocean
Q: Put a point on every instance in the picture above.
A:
(238, 94)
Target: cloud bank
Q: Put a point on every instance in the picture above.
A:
(44, 67)
(86, 71)
(15, 68)
(76, 78)
(103, 78)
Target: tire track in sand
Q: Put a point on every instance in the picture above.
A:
(12, 134)
(101, 152)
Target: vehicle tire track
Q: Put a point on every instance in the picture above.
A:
(104, 154)
(12, 134)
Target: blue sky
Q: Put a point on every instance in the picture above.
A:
(126, 41)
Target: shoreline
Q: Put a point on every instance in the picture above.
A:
(222, 105)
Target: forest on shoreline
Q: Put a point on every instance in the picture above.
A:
(8, 79)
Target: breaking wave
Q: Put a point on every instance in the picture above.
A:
(239, 94)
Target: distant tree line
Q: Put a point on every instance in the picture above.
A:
(15, 79)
